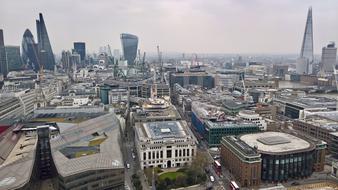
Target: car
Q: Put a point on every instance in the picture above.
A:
(128, 166)
(217, 157)
(212, 179)
(133, 155)
(295, 183)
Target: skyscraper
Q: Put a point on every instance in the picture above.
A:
(13, 58)
(305, 60)
(30, 53)
(80, 48)
(329, 56)
(3, 57)
(44, 47)
(129, 47)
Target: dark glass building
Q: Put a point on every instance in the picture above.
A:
(129, 47)
(30, 54)
(3, 59)
(80, 48)
(202, 79)
(14, 58)
(44, 45)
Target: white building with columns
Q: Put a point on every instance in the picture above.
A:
(164, 144)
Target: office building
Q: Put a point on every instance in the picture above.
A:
(322, 126)
(118, 95)
(155, 110)
(305, 61)
(45, 49)
(80, 48)
(294, 107)
(85, 156)
(30, 52)
(329, 57)
(281, 157)
(184, 79)
(129, 47)
(10, 108)
(242, 161)
(3, 57)
(253, 117)
(214, 131)
(14, 58)
(164, 144)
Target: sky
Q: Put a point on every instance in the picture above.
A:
(187, 26)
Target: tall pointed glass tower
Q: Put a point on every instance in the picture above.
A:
(46, 55)
(305, 60)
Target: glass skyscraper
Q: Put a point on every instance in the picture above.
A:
(14, 58)
(3, 57)
(44, 47)
(80, 48)
(305, 61)
(129, 47)
(30, 54)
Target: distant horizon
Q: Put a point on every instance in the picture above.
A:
(187, 26)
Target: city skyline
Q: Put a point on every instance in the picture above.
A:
(178, 26)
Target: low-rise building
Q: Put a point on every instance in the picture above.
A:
(252, 117)
(214, 131)
(281, 157)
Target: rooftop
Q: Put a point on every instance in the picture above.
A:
(276, 142)
(162, 130)
(240, 145)
(107, 154)
(229, 124)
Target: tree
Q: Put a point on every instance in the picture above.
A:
(181, 181)
(200, 161)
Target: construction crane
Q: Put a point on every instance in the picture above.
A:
(143, 63)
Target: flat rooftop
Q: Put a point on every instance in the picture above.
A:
(229, 124)
(276, 142)
(162, 130)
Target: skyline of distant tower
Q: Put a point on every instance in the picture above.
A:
(305, 60)
(45, 49)
(3, 57)
(129, 47)
(329, 57)
(30, 52)
(80, 48)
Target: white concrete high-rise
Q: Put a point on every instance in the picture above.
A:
(305, 60)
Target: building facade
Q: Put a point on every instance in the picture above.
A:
(129, 47)
(164, 144)
(305, 60)
(329, 58)
(44, 47)
(3, 57)
(280, 156)
(80, 48)
(14, 58)
(242, 161)
(30, 53)
(252, 117)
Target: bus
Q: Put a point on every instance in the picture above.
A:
(233, 185)
(218, 168)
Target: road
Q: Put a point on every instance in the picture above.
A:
(128, 150)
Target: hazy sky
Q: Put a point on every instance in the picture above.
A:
(191, 26)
